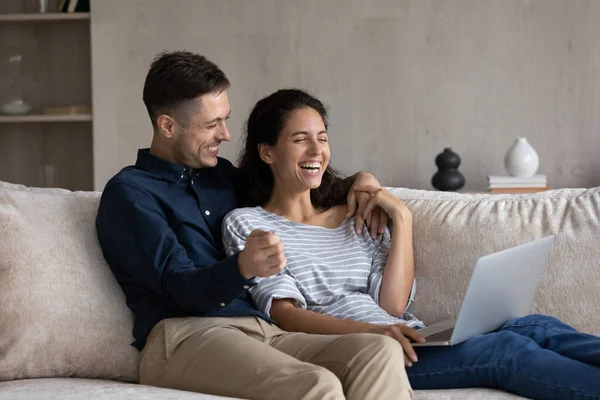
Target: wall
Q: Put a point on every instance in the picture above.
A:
(403, 78)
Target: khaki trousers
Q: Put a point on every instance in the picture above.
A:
(249, 358)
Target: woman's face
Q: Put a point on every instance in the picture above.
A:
(301, 153)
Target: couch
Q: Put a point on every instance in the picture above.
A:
(65, 329)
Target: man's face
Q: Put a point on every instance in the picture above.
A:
(197, 142)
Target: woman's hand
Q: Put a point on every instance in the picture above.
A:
(393, 206)
(358, 200)
(293, 319)
(403, 334)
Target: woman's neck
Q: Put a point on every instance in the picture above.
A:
(296, 207)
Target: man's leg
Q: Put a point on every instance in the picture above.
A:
(369, 366)
(228, 357)
(507, 361)
(552, 334)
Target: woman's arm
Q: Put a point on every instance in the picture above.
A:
(294, 319)
(398, 274)
(399, 270)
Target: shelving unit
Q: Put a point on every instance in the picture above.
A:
(40, 149)
(34, 17)
(44, 118)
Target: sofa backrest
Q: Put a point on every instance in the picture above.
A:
(451, 231)
(62, 313)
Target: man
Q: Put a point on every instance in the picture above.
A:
(159, 227)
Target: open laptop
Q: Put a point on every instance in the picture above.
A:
(502, 287)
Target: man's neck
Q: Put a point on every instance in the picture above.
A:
(159, 150)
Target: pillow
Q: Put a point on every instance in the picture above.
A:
(62, 312)
(452, 230)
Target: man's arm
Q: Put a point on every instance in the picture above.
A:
(341, 193)
(341, 196)
(138, 243)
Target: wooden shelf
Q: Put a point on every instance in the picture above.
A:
(57, 50)
(45, 118)
(41, 17)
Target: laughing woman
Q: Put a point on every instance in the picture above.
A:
(339, 282)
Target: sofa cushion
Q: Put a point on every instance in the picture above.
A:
(77, 389)
(452, 230)
(62, 312)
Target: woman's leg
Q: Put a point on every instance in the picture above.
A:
(507, 361)
(552, 334)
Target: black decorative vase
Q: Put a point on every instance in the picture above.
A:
(448, 178)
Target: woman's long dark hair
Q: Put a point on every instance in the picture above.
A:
(264, 125)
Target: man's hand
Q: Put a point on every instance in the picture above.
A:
(358, 200)
(262, 255)
(403, 334)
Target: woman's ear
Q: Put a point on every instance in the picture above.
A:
(265, 153)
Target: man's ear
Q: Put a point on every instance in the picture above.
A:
(166, 126)
(265, 153)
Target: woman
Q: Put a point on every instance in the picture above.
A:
(338, 282)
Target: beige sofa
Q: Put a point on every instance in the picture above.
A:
(65, 330)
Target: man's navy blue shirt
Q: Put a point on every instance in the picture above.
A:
(159, 226)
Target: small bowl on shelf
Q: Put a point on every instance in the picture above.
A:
(15, 107)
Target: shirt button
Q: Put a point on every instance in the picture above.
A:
(246, 287)
(222, 304)
(207, 212)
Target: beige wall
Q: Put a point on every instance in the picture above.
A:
(403, 78)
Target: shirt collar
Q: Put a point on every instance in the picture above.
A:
(161, 167)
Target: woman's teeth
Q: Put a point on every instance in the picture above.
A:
(310, 166)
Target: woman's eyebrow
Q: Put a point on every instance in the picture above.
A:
(306, 133)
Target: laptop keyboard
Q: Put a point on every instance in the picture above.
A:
(442, 336)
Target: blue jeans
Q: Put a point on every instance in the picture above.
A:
(535, 356)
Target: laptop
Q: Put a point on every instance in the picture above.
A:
(502, 287)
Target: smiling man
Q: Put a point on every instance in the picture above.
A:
(159, 226)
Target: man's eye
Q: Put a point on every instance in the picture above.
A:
(300, 140)
(212, 126)
(323, 140)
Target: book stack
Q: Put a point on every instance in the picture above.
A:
(517, 184)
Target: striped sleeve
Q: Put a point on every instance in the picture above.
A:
(234, 239)
(281, 286)
(377, 267)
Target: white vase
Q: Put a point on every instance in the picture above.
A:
(521, 159)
